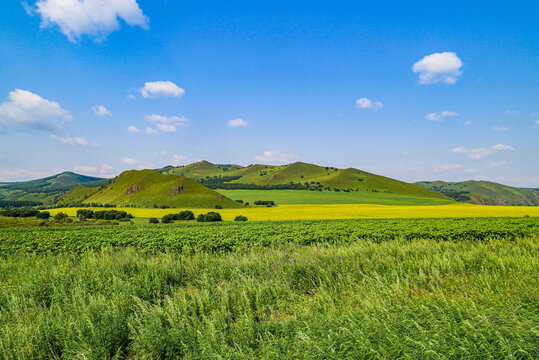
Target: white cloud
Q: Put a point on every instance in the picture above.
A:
(154, 89)
(95, 18)
(438, 67)
(86, 169)
(133, 129)
(131, 97)
(536, 124)
(166, 127)
(165, 123)
(167, 119)
(178, 159)
(28, 111)
(160, 153)
(364, 103)
(106, 169)
(151, 131)
(440, 116)
(101, 111)
(481, 153)
(74, 141)
(470, 171)
(500, 128)
(468, 122)
(447, 167)
(140, 165)
(497, 164)
(276, 157)
(234, 123)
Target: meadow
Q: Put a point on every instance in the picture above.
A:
(361, 289)
(287, 197)
(341, 211)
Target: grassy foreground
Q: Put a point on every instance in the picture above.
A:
(342, 211)
(420, 299)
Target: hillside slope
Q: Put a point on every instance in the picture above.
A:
(47, 190)
(308, 175)
(149, 188)
(484, 192)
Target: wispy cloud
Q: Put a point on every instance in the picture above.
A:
(440, 115)
(75, 141)
(276, 157)
(480, 153)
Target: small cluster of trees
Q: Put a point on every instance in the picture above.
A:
(212, 216)
(182, 215)
(84, 214)
(19, 212)
(240, 218)
(265, 202)
(79, 205)
(19, 203)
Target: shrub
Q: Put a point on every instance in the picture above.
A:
(239, 201)
(167, 219)
(240, 218)
(154, 221)
(43, 215)
(265, 202)
(212, 216)
(60, 217)
(186, 215)
(218, 207)
(84, 214)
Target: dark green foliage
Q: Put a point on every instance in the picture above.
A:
(61, 217)
(239, 201)
(212, 216)
(265, 202)
(186, 215)
(218, 207)
(154, 221)
(84, 214)
(43, 215)
(19, 212)
(19, 203)
(240, 218)
(169, 218)
(111, 215)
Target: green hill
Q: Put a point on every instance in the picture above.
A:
(484, 192)
(149, 188)
(47, 190)
(298, 175)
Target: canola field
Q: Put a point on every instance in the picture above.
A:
(341, 211)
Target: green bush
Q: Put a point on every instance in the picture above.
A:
(186, 215)
(212, 216)
(167, 219)
(240, 218)
(60, 217)
(218, 207)
(154, 221)
(43, 215)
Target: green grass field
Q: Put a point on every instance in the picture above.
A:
(443, 293)
(287, 197)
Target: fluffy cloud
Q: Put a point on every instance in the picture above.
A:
(239, 122)
(95, 18)
(276, 157)
(28, 111)
(364, 103)
(151, 131)
(440, 116)
(154, 89)
(481, 153)
(86, 169)
(438, 67)
(74, 141)
(133, 129)
(178, 159)
(165, 123)
(138, 164)
(101, 111)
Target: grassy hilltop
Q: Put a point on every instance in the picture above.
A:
(484, 192)
(148, 188)
(299, 172)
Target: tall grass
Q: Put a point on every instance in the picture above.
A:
(419, 299)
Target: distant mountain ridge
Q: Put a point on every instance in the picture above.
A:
(484, 192)
(298, 175)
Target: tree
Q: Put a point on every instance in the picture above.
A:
(43, 215)
(60, 217)
(154, 221)
(240, 218)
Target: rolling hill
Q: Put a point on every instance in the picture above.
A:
(149, 188)
(484, 192)
(307, 176)
(47, 190)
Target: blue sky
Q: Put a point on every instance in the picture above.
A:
(421, 91)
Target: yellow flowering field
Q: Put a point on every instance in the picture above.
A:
(340, 211)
